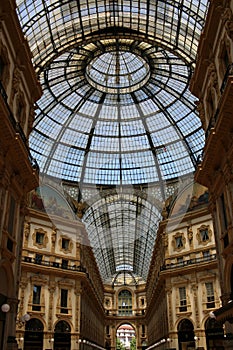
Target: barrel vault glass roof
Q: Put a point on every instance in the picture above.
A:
(116, 109)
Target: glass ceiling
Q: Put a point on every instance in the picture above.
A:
(106, 221)
(117, 72)
(116, 108)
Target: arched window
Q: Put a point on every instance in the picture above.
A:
(210, 105)
(214, 334)
(231, 295)
(3, 300)
(33, 338)
(125, 303)
(224, 59)
(62, 337)
(186, 335)
(4, 66)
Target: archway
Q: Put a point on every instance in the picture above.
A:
(214, 335)
(7, 281)
(3, 300)
(62, 336)
(186, 335)
(125, 337)
(34, 335)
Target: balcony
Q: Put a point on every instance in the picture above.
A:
(190, 262)
(17, 128)
(53, 264)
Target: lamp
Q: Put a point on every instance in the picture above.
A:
(25, 318)
(5, 308)
(212, 315)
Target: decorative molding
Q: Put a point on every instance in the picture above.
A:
(199, 235)
(70, 244)
(39, 280)
(45, 240)
(181, 244)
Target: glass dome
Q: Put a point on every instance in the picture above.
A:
(117, 72)
(117, 118)
(116, 109)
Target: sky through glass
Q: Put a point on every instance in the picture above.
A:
(116, 110)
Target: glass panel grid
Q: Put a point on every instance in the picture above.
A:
(107, 226)
(162, 21)
(146, 127)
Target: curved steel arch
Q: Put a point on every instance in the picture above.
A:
(124, 138)
(50, 25)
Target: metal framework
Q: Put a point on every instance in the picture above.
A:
(116, 109)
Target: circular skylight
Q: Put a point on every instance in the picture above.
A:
(146, 133)
(117, 72)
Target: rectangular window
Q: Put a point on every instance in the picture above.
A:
(11, 218)
(20, 111)
(64, 301)
(223, 213)
(125, 309)
(204, 235)
(65, 243)
(1, 67)
(224, 64)
(38, 258)
(210, 295)
(39, 238)
(183, 300)
(206, 254)
(64, 264)
(179, 242)
(143, 330)
(10, 244)
(180, 261)
(225, 58)
(36, 298)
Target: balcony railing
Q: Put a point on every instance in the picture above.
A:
(64, 267)
(213, 120)
(133, 313)
(186, 263)
(54, 264)
(212, 123)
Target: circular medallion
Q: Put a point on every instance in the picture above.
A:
(118, 72)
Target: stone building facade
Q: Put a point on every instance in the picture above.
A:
(51, 292)
(19, 89)
(212, 84)
(183, 288)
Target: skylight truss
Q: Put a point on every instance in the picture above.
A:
(122, 229)
(116, 110)
(85, 134)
